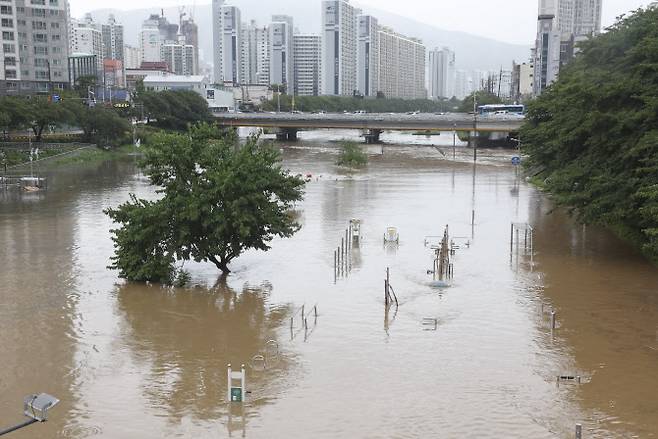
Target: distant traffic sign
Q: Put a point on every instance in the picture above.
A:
(516, 160)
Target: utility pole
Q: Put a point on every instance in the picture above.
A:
(475, 127)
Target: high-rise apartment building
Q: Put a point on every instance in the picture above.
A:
(85, 38)
(367, 62)
(217, 33)
(463, 84)
(401, 66)
(560, 25)
(442, 73)
(132, 57)
(307, 51)
(36, 47)
(180, 57)
(10, 74)
(231, 45)
(112, 40)
(338, 48)
(190, 31)
(150, 43)
(282, 68)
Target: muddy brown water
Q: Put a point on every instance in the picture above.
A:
(132, 361)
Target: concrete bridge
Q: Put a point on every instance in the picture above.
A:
(288, 124)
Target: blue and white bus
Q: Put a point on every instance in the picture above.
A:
(488, 110)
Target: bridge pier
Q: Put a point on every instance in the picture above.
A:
(287, 134)
(372, 136)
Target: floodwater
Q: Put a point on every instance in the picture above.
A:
(136, 361)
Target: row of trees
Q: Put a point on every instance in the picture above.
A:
(106, 126)
(337, 104)
(594, 133)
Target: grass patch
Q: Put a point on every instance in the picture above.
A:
(352, 155)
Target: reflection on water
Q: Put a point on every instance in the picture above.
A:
(476, 359)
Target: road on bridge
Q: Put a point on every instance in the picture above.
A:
(391, 122)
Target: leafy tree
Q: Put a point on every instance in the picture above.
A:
(352, 154)
(175, 109)
(593, 135)
(101, 125)
(219, 199)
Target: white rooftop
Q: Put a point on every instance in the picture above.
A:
(175, 78)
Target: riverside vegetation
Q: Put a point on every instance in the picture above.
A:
(592, 137)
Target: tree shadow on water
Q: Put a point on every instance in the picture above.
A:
(183, 339)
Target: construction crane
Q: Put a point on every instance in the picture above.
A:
(181, 14)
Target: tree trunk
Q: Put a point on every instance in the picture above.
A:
(220, 263)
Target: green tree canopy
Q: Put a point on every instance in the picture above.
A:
(175, 109)
(219, 199)
(594, 133)
(100, 125)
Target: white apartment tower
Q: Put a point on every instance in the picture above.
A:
(547, 53)
(150, 43)
(307, 51)
(217, 39)
(281, 52)
(338, 48)
(132, 57)
(231, 46)
(442, 73)
(180, 57)
(367, 59)
(85, 37)
(401, 66)
(112, 40)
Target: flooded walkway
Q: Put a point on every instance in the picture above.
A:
(141, 361)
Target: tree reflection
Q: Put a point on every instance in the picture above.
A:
(185, 338)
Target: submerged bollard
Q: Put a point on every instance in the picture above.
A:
(579, 431)
(552, 319)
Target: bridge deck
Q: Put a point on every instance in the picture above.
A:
(393, 122)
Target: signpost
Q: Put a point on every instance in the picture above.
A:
(516, 160)
(236, 393)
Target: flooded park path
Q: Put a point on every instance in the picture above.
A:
(142, 361)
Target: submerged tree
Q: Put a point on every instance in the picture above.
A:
(352, 155)
(219, 199)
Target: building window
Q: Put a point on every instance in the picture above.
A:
(10, 74)
(8, 48)
(7, 10)
(40, 38)
(8, 36)
(7, 22)
(40, 50)
(38, 2)
(39, 25)
(41, 74)
(37, 12)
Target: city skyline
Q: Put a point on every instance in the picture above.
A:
(457, 16)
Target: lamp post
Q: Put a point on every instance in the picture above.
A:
(475, 127)
(35, 408)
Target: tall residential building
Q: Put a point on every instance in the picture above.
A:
(401, 66)
(150, 43)
(561, 24)
(85, 37)
(10, 74)
(307, 51)
(367, 58)
(231, 45)
(132, 57)
(40, 44)
(180, 57)
(112, 40)
(522, 81)
(217, 39)
(547, 53)
(282, 68)
(442, 73)
(255, 54)
(338, 48)
(190, 31)
(463, 84)
(168, 31)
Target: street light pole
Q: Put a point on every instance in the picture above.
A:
(475, 127)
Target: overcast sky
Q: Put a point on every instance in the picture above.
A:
(512, 21)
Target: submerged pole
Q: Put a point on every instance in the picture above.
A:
(579, 431)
